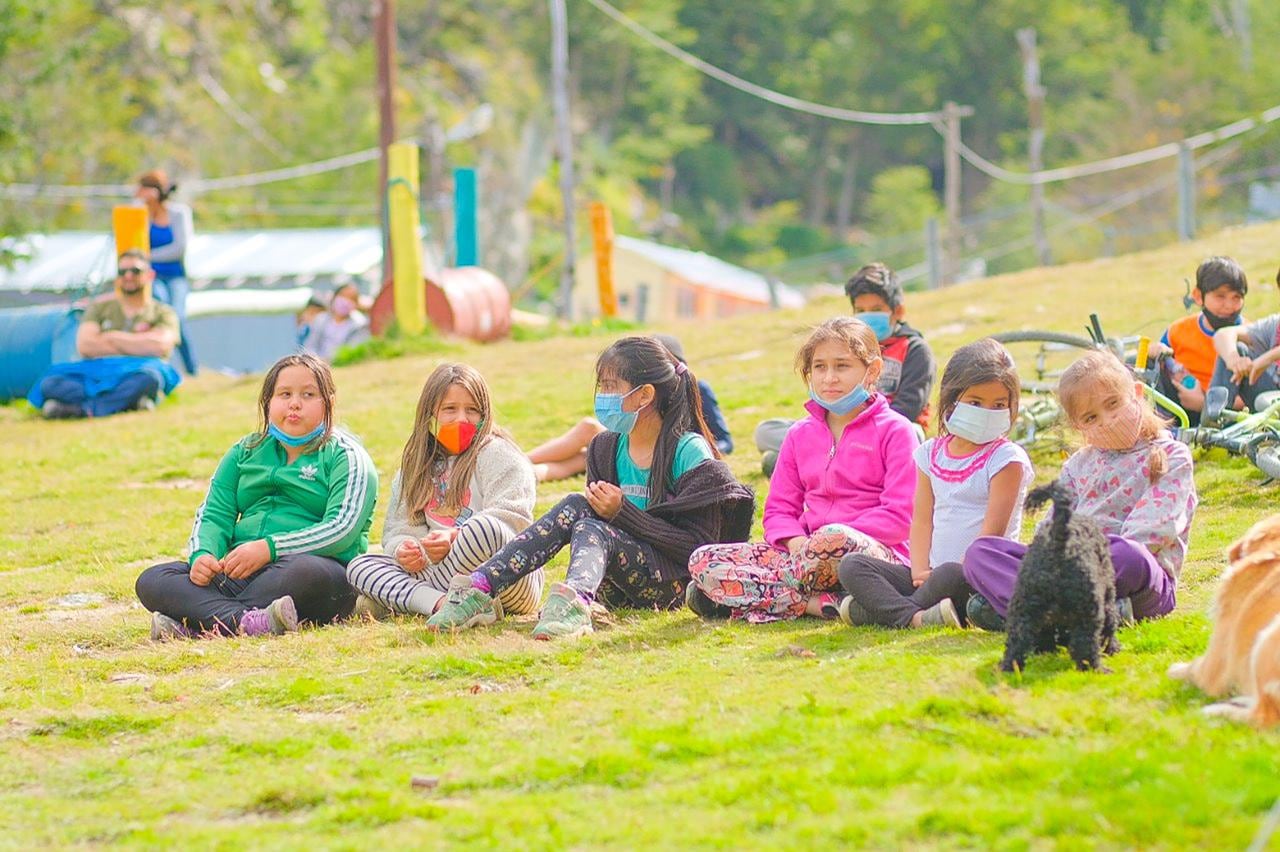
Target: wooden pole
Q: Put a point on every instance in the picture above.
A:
(564, 139)
(1035, 142)
(385, 40)
(952, 113)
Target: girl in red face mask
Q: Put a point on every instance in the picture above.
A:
(1131, 477)
(464, 489)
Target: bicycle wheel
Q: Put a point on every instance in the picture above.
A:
(1041, 356)
(1268, 460)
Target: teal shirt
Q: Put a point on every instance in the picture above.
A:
(691, 451)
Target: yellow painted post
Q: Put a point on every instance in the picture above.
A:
(406, 250)
(602, 237)
(131, 228)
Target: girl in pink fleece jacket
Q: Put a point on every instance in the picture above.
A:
(844, 483)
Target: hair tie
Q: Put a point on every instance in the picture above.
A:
(681, 369)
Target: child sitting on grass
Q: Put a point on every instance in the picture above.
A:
(1131, 477)
(970, 481)
(463, 490)
(844, 484)
(288, 507)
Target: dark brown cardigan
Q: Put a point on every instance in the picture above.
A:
(708, 505)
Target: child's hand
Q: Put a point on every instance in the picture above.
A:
(1262, 363)
(410, 556)
(438, 543)
(1239, 365)
(605, 498)
(919, 574)
(795, 545)
(203, 569)
(246, 559)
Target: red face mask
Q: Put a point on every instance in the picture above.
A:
(456, 436)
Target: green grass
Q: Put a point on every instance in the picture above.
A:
(660, 731)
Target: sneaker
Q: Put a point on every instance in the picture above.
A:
(941, 614)
(145, 403)
(55, 410)
(1124, 606)
(368, 609)
(280, 617)
(697, 600)
(564, 615)
(164, 628)
(852, 613)
(768, 461)
(465, 606)
(983, 615)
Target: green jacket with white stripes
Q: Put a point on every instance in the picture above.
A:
(321, 504)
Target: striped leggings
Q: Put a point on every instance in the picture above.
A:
(380, 577)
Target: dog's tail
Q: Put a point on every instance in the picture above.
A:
(1062, 498)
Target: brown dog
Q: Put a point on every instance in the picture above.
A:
(1243, 657)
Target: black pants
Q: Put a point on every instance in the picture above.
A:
(317, 584)
(885, 591)
(604, 562)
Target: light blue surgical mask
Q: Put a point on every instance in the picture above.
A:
(878, 321)
(280, 435)
(610, 414)
(844, 404)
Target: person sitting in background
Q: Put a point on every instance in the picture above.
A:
(170, 233)
(877, 298)
(314, 307)
(125, 342)
(1220, 289)
(341, 325)
(1252, 373)
(566, 455)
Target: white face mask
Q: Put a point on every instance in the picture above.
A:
(977, 424)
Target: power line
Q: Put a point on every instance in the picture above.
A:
(1124, 161)
(778, 98)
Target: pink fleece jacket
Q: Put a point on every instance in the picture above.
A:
(866, 480)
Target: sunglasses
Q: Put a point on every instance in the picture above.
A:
(130, 270)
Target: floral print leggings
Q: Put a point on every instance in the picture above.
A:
(761, 583)
(604, 562)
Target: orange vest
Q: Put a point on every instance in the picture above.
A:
(1192, 348)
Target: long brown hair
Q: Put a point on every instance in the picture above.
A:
(422, 452)
(324, 381)
(1099, 372)
(646, 361)
(976, 363)
(854, 333)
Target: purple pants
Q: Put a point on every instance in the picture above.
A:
(991, 565)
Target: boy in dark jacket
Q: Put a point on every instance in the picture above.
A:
(877, 299)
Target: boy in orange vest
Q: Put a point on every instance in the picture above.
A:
(1219, 290)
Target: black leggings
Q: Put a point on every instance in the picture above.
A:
(604, 561)
(317, 584)
(885, 591)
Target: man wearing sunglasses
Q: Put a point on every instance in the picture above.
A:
(125, 342)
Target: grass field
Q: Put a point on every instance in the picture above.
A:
(659, 731)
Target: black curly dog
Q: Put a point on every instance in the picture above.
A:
(1065, 593)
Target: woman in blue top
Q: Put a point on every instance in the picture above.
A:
(171, 232)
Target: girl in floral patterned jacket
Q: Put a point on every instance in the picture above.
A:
(1131, 477)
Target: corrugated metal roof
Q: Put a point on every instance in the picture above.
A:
(264, 258)
(712, 272)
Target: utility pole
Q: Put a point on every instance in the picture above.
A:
(1186, 193)
(385, 39)
(1035, 142)
(1240, 22)
(564, 139)
(952, 113)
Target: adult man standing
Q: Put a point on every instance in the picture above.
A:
(124, 342)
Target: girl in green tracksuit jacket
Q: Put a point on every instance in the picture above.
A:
(288, 507)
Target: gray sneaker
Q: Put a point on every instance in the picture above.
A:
(55, 410)
(852, 613)
(145, 403)
(564, 616)
(368, 609)
(164, 628)
(1124, 607)
(941, 614)
(280, 617)
(983, 615)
